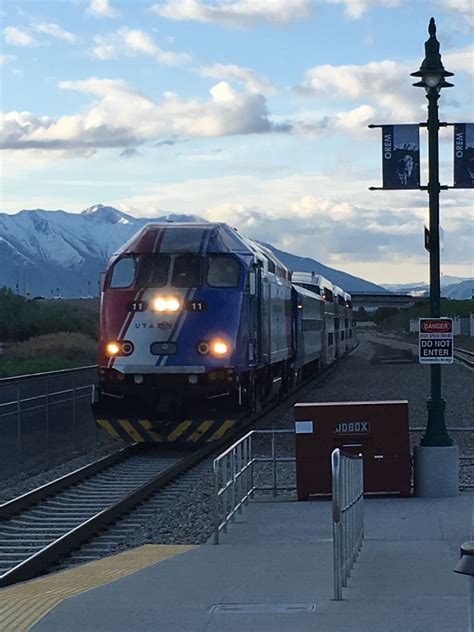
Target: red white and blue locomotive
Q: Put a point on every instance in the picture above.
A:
(198, 322)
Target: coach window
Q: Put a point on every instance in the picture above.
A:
(123, 272)
(187, 271)
(153, 270)
(328, 295)
(223, 271)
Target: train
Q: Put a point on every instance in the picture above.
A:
(201, 327)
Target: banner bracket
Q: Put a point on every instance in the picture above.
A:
(441, 124)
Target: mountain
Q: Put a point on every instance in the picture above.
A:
(451, 287)
(462, 290)
(48, 253)
(347, 282)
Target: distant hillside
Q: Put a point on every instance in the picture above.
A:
(50, 253)
(451, 287)
(347, 282)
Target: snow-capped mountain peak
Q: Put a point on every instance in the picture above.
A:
(107, 215)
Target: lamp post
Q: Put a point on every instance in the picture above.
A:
(433, 74)
(436, 459)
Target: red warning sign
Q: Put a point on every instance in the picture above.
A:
(436, 341)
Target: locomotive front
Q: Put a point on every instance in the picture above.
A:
(171, 328)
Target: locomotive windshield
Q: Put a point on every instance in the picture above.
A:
(223, 271)
(124, 271)
(153, 270)
(187, 271)
(180, 271)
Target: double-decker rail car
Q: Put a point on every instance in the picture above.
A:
(320, 286)
(348, 322)
(309, 331)
(339, 320)
(200, 326)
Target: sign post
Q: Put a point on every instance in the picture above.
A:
(436, 341)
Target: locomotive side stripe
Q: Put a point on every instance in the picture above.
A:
(106, 425)
(179, 323)
(180, 428)
(222, 430)
(160, 234)
(130, 315)
(131, 430)
(201, 430)
(125, 325)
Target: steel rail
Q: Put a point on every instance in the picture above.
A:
(52, 552)
(14, 506)
(45, 375)
(40, 561)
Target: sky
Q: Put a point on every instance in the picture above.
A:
(252, 112)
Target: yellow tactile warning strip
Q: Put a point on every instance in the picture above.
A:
(24, 605)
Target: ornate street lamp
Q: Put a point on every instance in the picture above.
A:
(433, 74)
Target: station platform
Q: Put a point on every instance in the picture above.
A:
(273, 572)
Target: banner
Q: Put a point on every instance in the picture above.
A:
(401, 156)
(464, 155)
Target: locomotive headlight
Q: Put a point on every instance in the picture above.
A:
(112, 348)
(219, 347)
(166, 304)
(172, 304)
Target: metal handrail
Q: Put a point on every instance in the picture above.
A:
(45, 374)
(347, 514)
(234, 483)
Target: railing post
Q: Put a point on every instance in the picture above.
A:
(336, 524)
(347, 515)
(18, 427)
(239, 474)
(274, 466)
(251, 466)
(74, 414)
(216, 501)
(48, 438)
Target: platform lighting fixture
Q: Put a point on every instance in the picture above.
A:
(432, 78)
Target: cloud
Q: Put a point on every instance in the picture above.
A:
(124, 117)
(356, 8)
(236, 13)
(230, 72)
(166, 143)
(465, 8)
(5, 59)
(131, 43)
(102, 8)
(460, 59)
(17, 37)
(383, 82)
(129, 152)
(54, 30)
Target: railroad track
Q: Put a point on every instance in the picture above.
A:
(465, 356)
(42, 526)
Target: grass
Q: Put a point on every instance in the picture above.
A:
(50, 352)
(401, 321)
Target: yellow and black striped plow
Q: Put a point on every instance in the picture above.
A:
(189, 431)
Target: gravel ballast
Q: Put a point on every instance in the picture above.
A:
(184, 514)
